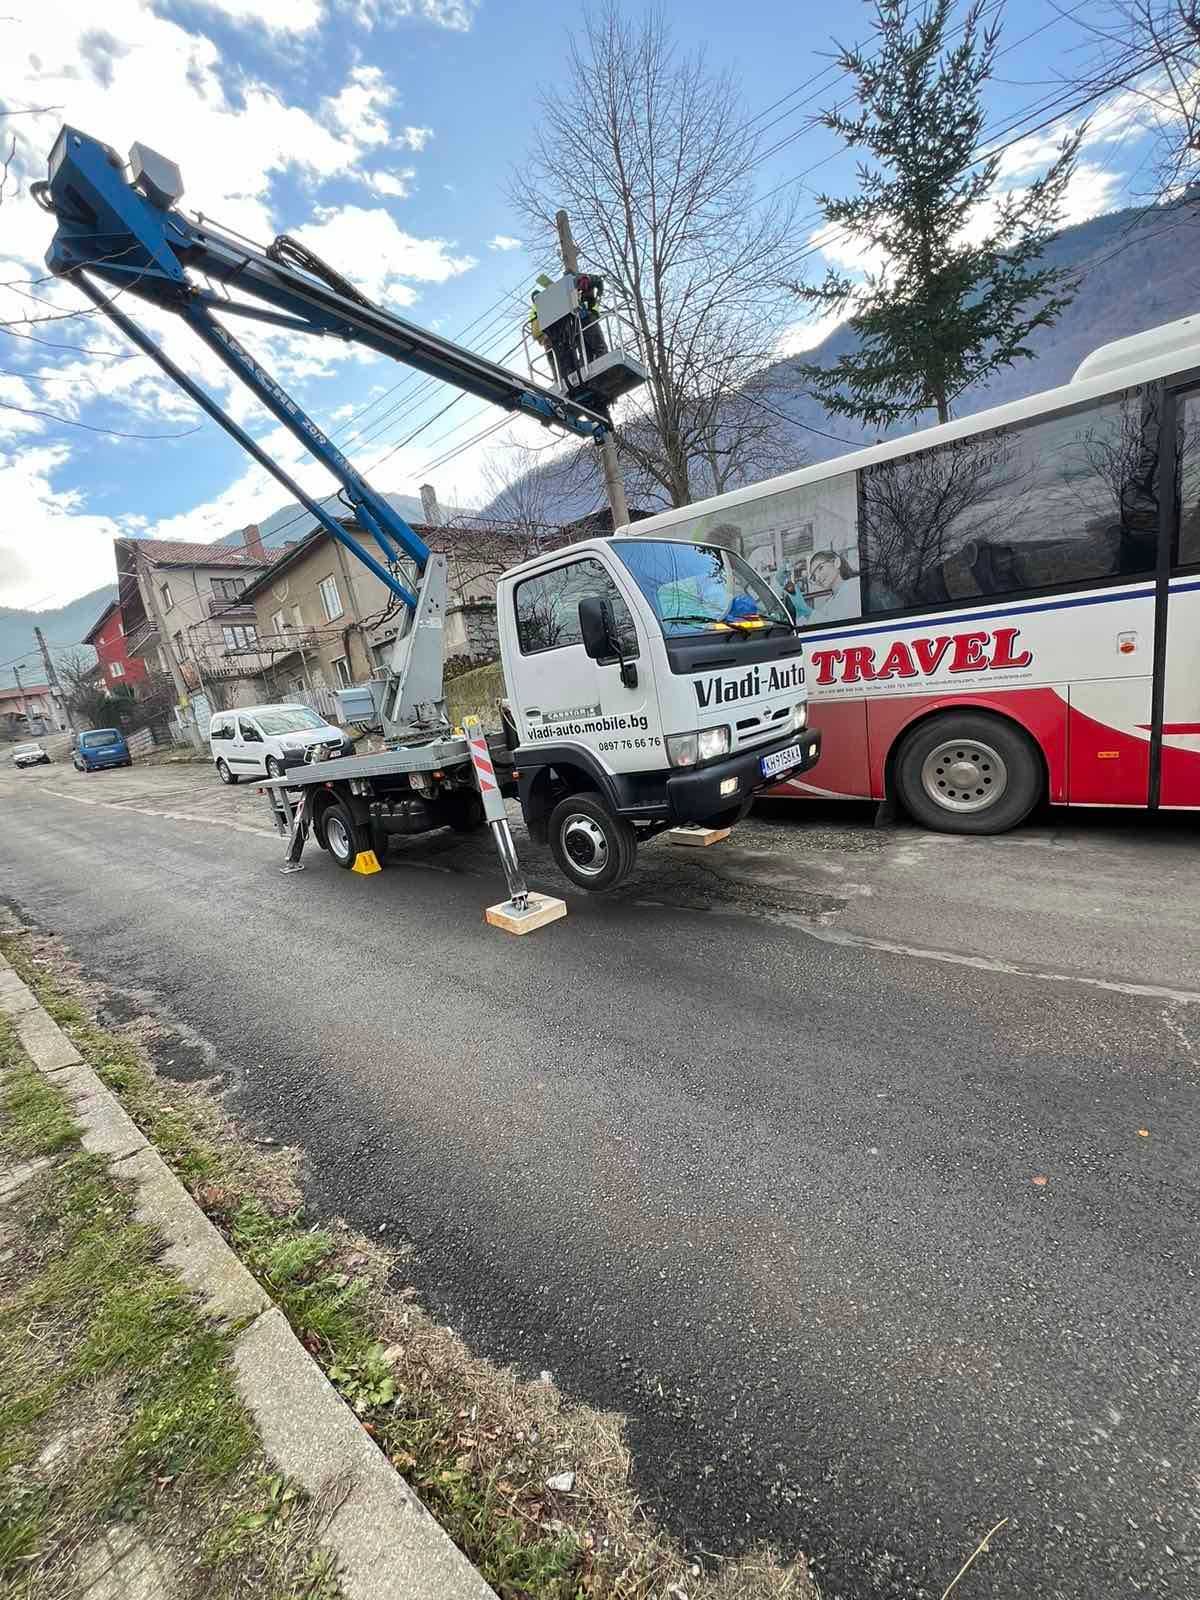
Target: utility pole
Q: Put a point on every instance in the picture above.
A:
(52, 679)
(146, 584)
(22, 708)
(608, 450)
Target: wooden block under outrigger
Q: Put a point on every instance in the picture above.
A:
(542, 908)
(697, 835)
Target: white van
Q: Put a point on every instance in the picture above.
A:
(263, 741)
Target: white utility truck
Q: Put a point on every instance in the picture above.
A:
(649, 682)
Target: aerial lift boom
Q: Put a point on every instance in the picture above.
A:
(128, 235)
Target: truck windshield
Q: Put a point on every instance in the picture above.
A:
(700, 588)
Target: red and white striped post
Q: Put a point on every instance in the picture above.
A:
(494, 810)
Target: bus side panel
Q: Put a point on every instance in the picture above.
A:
(1108, 738)
(842, 772)
(1181, 701)
(1042, 712)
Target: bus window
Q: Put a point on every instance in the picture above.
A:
(1061, 500)
(1187, 463)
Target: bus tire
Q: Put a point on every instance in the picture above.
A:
(968, 772)
(594, 848)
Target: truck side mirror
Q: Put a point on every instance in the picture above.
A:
(598, 627)
(601, 638)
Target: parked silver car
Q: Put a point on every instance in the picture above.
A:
(29, 755)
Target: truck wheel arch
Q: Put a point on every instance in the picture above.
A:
(543, 784)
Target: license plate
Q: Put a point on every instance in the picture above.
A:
(780, 760)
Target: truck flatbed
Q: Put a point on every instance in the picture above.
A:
(438, 753)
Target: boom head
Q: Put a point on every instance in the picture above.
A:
(106, 222)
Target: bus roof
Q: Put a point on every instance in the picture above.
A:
(1141, 358)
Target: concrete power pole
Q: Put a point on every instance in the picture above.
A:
(22, 707)
(608, 450)
(146, 585)
(56, 693)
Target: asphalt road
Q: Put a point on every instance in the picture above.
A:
(818, 1154)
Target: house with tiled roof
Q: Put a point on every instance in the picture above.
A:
(181, 605)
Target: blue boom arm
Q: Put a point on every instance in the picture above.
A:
(130, 237)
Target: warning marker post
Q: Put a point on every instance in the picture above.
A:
(522, 912)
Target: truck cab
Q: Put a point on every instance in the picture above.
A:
(652, 683)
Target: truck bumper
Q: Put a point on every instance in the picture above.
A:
(694, 796)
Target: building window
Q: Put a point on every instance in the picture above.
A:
(228, 588)
(177, 640)
(165, 591)
(331, 600)
(115, 669)
(277, 624)
(297, 619)
(242, 637)
(342, 673)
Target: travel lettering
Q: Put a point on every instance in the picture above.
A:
(977, 651)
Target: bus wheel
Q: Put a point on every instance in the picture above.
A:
(968, 772)
(593, 847)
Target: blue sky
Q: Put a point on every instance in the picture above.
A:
(383, 131)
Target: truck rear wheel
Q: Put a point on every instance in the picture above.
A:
(594, 847)
(968, 772)
(340, 834)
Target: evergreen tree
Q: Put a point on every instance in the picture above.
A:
(957, 290)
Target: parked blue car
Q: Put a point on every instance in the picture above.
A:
(101, 747)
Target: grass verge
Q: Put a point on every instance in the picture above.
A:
(536, 1492)
(117, 1404)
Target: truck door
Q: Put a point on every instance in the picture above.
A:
(561, 696)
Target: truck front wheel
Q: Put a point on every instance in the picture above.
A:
(593, 847)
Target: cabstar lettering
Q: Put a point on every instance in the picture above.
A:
(748, 685)
(976, 651)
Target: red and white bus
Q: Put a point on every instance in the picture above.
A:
(1001, 608)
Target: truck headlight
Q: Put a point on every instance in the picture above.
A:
(800, 717)
(713, 742)
(688, 749)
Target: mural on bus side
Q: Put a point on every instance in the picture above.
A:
(802, 541)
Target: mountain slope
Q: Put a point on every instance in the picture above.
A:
(63, 627)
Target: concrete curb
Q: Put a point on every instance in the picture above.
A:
(386, 1545)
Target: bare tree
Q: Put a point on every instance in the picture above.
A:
(1151, 50)
(650, 152)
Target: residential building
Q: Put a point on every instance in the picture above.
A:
(181, 603)
(118, 669)
(328, 622)
(25, 711)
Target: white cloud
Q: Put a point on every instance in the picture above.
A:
(504, 241)
(358, 109)
(415, 138)
(382, 254)
(51, 546)
(277, 16)
(456, 15)
(397, 185)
